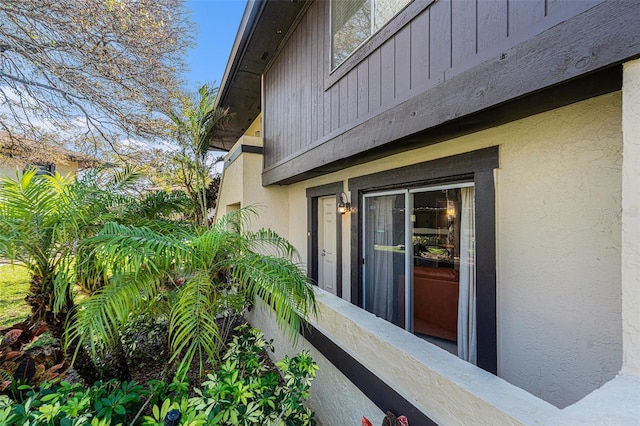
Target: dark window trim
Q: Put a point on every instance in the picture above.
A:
(42, 168)
(313, 194)
(380, 393)
(476, 166)
(376, 40)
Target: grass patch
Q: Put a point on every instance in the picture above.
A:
(14, 284)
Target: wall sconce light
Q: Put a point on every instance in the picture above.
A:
(344, 206)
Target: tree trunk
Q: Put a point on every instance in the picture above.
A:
(119, 365)
(40, 299)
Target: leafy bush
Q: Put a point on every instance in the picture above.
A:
(244, 390)
(73, 405)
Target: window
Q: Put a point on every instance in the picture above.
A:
(424, 254)
(354, 21)
(42, 169)
(419, 263)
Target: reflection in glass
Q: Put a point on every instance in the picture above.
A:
(354, 21)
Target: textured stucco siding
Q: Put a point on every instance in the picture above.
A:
(559, 247)
(631, 218)
(559, 255)
(241, 184)
(558, 196)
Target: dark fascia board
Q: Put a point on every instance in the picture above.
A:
(264, 26)
(251, 149)
(247, 23)
(567, 63)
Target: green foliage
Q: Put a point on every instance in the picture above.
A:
(44, 221)
(211, 274)
(68, 404)
(41, 220)
(242, 391)
(195, 125)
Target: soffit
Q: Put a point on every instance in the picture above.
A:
(264, 26)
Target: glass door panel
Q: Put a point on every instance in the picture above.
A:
(436, 247)
(384, 256)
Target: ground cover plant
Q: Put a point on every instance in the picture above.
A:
(14, 283)
(243, 390)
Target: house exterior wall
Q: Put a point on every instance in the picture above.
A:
(450, 390)
(429, 43)
(558, 239)
(334, 398)
(62, 168)
(559, 330)
(631, 217)
(241, 186)
(566, 203)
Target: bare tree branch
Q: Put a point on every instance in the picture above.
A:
(90, 67)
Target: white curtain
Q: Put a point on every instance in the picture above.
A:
(467, 340)
(383, 277)
(384, 265)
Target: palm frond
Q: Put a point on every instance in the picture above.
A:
(269, 242)
(193, 330)
(133, 249)
(281, 285)
(236, 221)
(99, 317)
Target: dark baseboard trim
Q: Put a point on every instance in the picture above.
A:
(383, 395)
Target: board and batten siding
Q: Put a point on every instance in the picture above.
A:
(305, 104)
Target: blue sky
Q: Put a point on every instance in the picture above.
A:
(217, 22)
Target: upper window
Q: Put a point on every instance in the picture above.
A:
(42, 168)
(354, 21)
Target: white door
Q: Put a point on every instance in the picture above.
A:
(327, 268)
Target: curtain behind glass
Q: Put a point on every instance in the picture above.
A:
(384, 257)
(467, 340)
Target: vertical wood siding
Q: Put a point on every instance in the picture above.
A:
(449, 37)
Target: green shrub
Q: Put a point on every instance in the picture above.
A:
(66, 404)
(244, 390)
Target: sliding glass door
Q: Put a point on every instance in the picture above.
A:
(419, 263)
(385, 234)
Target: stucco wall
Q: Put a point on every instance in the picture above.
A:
(241, 184)
(558, 194)
(334, 398)
(559, 248)
(559, 227)
(631, 217)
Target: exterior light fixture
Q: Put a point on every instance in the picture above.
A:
(344, 206)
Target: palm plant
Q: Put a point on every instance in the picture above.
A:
(196, 125)
(42, 219)
(201, 268)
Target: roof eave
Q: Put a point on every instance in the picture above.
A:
(263, 28)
